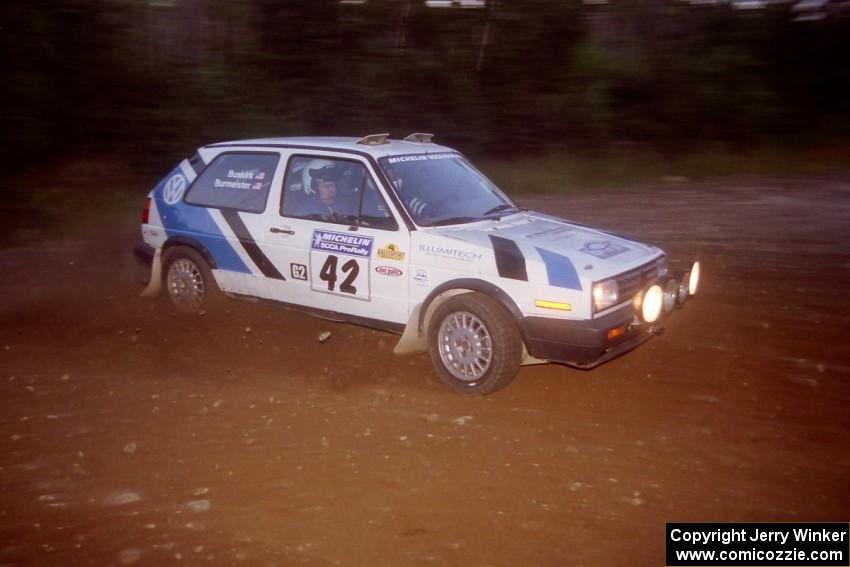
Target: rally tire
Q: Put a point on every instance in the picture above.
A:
(474, 344)
(187, 280)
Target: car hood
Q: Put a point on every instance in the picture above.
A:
(594, 254)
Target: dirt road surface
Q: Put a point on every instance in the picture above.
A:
(131, 435)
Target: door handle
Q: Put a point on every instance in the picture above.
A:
(276, 230)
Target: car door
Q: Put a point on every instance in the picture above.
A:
(225, 210)
(347, 254)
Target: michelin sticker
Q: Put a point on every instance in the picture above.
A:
(603, 249)
(340, 243)
(421, 157)
(173, 190)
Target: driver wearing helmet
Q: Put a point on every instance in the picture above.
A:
(318, 181)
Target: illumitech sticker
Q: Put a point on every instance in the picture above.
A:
(450, 252)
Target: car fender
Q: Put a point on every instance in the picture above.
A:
(182, 240)
(155, 283)
(414, 338)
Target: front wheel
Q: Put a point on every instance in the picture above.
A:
(188, 279)
(475, 345)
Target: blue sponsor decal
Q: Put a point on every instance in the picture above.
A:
(559, 270)
(341, 243)
(180, 219)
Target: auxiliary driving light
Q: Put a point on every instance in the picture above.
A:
(683, 287)
(693, 280)
(652, 303)
(671, 294)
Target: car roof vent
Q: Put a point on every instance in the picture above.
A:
(374, 140)
(420, 138)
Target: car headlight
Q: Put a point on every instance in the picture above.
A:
(653, 301)
(693, 280)
(671, 294)
(605, 294)
(663, 269)
(683, 287)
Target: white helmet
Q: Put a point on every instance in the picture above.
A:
(317, 169)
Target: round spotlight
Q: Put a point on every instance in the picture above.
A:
(693, 280)
(653, 300)
(683, 288)
(671, 294)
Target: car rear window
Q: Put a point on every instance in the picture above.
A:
(238, 181)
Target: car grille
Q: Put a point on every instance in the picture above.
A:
(633, 281)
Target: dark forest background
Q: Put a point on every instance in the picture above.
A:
(151, 80)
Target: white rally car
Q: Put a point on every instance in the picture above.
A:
(405, 236)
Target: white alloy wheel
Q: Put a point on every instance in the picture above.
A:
(188, 279)
(465, 346)
(186, 285)
(474, 344)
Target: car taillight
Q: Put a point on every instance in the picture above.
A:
(146, 211)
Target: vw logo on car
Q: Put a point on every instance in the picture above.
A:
(174, 188)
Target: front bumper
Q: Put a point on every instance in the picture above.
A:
(585, 344)
(588, 343)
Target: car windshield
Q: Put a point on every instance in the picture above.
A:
(442, 189)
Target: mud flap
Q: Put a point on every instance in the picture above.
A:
(155, 283)
(528, 359)
(411, 341)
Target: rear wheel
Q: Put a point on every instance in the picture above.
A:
(188, 280)
(475, 345)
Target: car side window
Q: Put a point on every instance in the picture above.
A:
(238, 181)
(322, 189)
(333, 190)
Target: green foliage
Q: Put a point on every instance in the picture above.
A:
(626, 167)
(153, 79)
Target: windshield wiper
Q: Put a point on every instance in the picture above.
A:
(502, 207)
